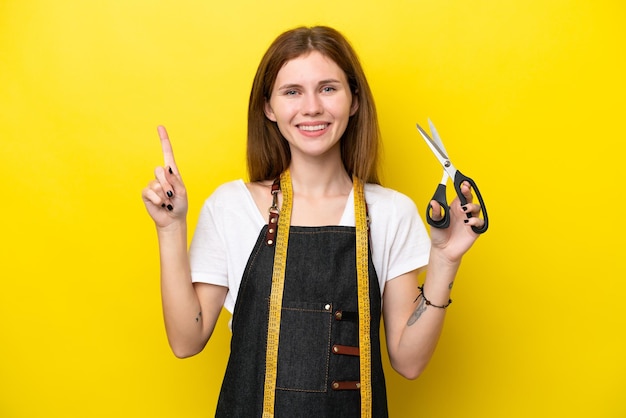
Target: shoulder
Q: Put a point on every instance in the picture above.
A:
(391, 212)
(233, 203)
(231, 199)
(230, 208)
(227, 194)
(385, 200)
(229, 189)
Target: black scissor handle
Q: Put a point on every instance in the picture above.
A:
(439, 197)
(459, 178)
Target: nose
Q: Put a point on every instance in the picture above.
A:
(312, 105)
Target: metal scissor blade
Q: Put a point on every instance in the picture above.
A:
(437, 139)
(445, 177)
(436, 147)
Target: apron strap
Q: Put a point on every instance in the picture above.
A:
(272, 222)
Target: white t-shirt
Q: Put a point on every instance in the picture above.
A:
(230, 222)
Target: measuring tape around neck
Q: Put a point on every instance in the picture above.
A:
(278, 285)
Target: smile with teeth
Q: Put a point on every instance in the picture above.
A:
(312, 128)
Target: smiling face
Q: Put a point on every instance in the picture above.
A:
(311, 103)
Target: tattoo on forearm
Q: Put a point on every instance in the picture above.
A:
(198, 317)
(421, 307)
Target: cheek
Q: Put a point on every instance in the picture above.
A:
(345, 109)
(283, 112)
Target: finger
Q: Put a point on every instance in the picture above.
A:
(475, 221)
(175, 181)
(150, 196)
(436, 211)
(153, 194)
(168, 189)
(166, 146)
(466, 190)
(472, 208)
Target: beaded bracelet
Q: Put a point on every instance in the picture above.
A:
(421, 288)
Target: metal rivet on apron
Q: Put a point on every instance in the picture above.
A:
(335, 385)
(270, 242)
(338, 315)
(327, 307)
(271, 230)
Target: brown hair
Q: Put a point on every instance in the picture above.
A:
(268, 152)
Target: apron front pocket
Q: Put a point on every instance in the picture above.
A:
(304, 346)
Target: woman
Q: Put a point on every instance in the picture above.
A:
(308, 280)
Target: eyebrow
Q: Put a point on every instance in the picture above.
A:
(322, 82)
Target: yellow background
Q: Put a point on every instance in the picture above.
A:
(527, 95)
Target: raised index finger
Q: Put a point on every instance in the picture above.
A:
(168, 153)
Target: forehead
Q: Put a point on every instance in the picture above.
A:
(313, 66)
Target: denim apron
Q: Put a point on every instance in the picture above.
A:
(318, 363)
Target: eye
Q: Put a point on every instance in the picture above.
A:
(290, 92)
(328, 89)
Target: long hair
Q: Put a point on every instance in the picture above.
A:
(268, 152)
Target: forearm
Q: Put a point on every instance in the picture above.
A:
(181, 306)
(423, 318)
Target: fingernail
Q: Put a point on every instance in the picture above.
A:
(170, 170)
(169, 193)
(466, 220)
(170, 207)
(163, 205)
(464, 208)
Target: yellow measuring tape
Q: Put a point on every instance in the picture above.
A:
(278, 286)
(276, 296)
(362, 271)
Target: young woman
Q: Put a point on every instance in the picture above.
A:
(308, 280)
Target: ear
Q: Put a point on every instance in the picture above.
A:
(269, 113)
(355, 103)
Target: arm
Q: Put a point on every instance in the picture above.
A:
(190, 311)
(412, 326)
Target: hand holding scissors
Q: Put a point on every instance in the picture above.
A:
(450, 171)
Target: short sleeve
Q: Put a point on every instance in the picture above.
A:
(408, 238)
(399, 240)
(228, 226)
(207, 253)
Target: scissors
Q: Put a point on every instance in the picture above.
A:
(449, 171)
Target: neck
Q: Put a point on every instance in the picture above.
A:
(315, 179)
